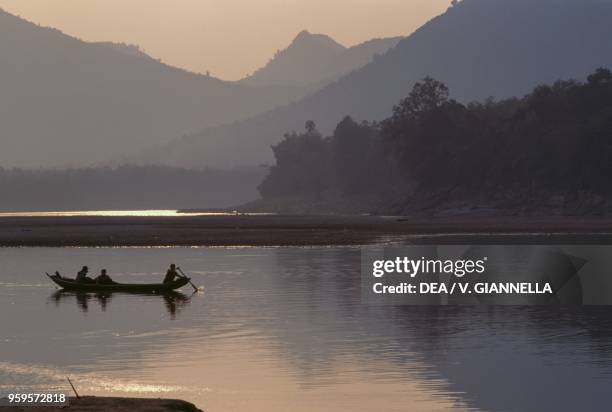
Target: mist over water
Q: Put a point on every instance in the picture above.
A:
(280, 328)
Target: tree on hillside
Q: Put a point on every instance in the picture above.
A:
(600, 76)
(303, 165)
(357, 155)
(425, 96)
(311, 126)
(425, 125)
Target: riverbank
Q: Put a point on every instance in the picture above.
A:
(289, 230)
(103, 404)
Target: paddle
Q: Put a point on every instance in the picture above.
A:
(185, 276)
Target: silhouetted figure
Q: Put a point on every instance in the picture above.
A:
(82, 275)
(171, 274)
(104, 279)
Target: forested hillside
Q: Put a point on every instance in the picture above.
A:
(549, 152)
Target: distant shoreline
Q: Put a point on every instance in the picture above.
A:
(294, 230)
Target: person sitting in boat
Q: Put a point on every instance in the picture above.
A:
(82, 276)
(104, 279)
(171, 274)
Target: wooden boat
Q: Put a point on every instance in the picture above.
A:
(71, 284)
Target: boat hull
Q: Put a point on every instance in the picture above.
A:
(71, 284)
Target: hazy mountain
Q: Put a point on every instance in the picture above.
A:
(316, 59)
(479, 48)
(67, 102)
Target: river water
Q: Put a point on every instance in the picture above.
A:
(277, 329)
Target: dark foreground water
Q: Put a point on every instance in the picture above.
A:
(280, 329)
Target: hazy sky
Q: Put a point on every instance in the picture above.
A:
(228, 37)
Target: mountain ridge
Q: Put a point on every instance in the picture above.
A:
(475, 47)
(80, 103)
(316, 59)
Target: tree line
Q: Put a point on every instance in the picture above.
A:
(549, 150)
(125, 187)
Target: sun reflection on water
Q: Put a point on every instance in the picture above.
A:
(55, 379)
(123, 213)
